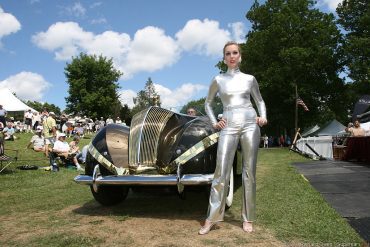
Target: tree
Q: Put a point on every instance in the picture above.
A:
(354, 17)
(92, 86)
(291, 43)
(40, 106)
(145, 98)
(198, 105)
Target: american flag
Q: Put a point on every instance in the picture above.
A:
(300, 102)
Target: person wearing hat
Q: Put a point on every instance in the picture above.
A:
(38, 141)
(62, 149)
(50, 131)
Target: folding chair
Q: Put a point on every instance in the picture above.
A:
(4, 158)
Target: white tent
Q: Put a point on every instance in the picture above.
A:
(11, 103)
(320, 140)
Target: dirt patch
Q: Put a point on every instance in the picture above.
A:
(122, 230)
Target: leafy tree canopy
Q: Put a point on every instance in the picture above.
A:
(354, 17)
(146, 97)
(41, 106)
(92, 86)
(291, 43)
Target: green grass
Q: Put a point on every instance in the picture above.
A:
(287, 206)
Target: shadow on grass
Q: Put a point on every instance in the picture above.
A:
(159, 202)
(154, 202)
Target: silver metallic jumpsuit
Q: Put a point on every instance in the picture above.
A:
(234, 89)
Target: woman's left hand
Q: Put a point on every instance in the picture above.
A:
(261, 121)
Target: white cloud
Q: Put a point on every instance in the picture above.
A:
(110, 44)
(150, 49)
(8, 24)
(238, 31)
(127, 96)
(101, 20)
(77, 10)
(96, 4)
(171, 99)
(26, 85)
(65, 38)
(331, 4)
(203, 37)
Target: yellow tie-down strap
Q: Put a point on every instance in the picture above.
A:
(106, 163)
(195, 150)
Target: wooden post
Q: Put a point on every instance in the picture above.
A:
(296, 109)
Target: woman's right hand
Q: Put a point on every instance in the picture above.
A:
(220, 124)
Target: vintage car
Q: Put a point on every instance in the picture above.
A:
(160, 148)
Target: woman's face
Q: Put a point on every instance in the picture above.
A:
(232, 56)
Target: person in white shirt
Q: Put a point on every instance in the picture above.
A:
(28, 120)
(109, 120)
(38, 141)
(62, 149)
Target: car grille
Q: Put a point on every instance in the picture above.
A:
(146, 127)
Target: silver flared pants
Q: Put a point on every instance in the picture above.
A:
(241, 127)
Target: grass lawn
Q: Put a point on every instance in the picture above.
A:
(42, 208)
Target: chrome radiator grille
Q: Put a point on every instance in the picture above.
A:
(146, 127)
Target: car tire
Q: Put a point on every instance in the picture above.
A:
(106, 195)
(110, 195)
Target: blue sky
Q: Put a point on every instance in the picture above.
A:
(176, 43)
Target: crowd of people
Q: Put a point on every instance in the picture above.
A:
(50, 133)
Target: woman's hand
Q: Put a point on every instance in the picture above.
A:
(261, 121)
(220, 124)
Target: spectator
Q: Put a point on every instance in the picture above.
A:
(74, 145)
(50, 130)
(356, 129)
(102, 123)
(63, 120)
(36, 120)
(9, 132)
(282, 141)
(118, 120)
(79, 130)
(38, 141)
(109, 120)
(265, 141)
(62, 149)
(28, 115)
(97, 125)
(81, 157)
(191, 111)
(3, 113)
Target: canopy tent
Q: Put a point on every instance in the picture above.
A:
(11, 103)
(330, 129)
(310, 130)
(320, 140)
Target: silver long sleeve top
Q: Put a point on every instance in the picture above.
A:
(234, 89)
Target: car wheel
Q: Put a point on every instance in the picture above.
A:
(230, 193)
(107, 195)
(110, 195)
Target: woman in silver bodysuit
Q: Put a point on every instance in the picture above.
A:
(239, 123)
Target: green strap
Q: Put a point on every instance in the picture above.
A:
(195, 150)
(106, 163)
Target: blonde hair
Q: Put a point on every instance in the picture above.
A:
(231, 43)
